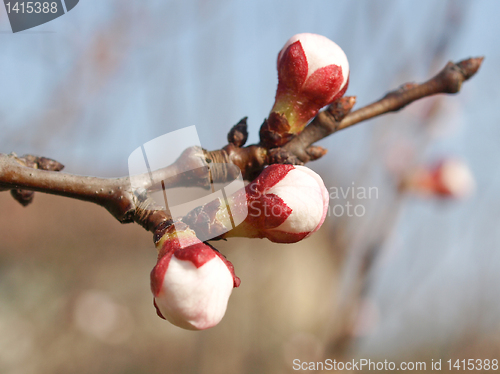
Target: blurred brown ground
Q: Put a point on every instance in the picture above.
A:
(75, 298)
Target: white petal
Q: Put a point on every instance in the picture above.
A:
(324, 191)
(456, 176)
(320, 52)
(301, 192)
(195, 298)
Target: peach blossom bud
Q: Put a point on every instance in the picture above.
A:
(191, 284)
(453, 178)
(448, 178)
(286, 204)
(313, 71)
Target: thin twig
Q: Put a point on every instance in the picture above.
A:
(449, 80)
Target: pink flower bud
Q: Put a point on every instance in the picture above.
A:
(452, 178)
(286, 204)
(313, 71)
(191, 284)
(448, 178)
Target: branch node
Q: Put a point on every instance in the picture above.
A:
(238, 134)
(470, 66)
(315, 152)
(147, 213)
(23, 197)
(453, 75)
(341, 107)
(275, 131)
(283, 156)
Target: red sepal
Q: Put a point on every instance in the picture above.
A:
(319, 86)
(158, 309)
(292, 68)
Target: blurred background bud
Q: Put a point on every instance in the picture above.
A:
(449, 177)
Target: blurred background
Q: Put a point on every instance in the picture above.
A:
(413, 278)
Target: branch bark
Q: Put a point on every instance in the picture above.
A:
(126, 206)
(449, 80)
(112, 194)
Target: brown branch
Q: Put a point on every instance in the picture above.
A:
(112, 194)
(449, 80)
(125, 205)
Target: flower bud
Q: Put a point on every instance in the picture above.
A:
(313, 71)
(191, 284)
(448, 178)
(453, 178)
(286, 203)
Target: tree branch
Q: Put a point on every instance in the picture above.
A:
(449, 80)
(126, 206)
(112, 194)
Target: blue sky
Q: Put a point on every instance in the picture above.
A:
(176, 64)
(90, 87)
